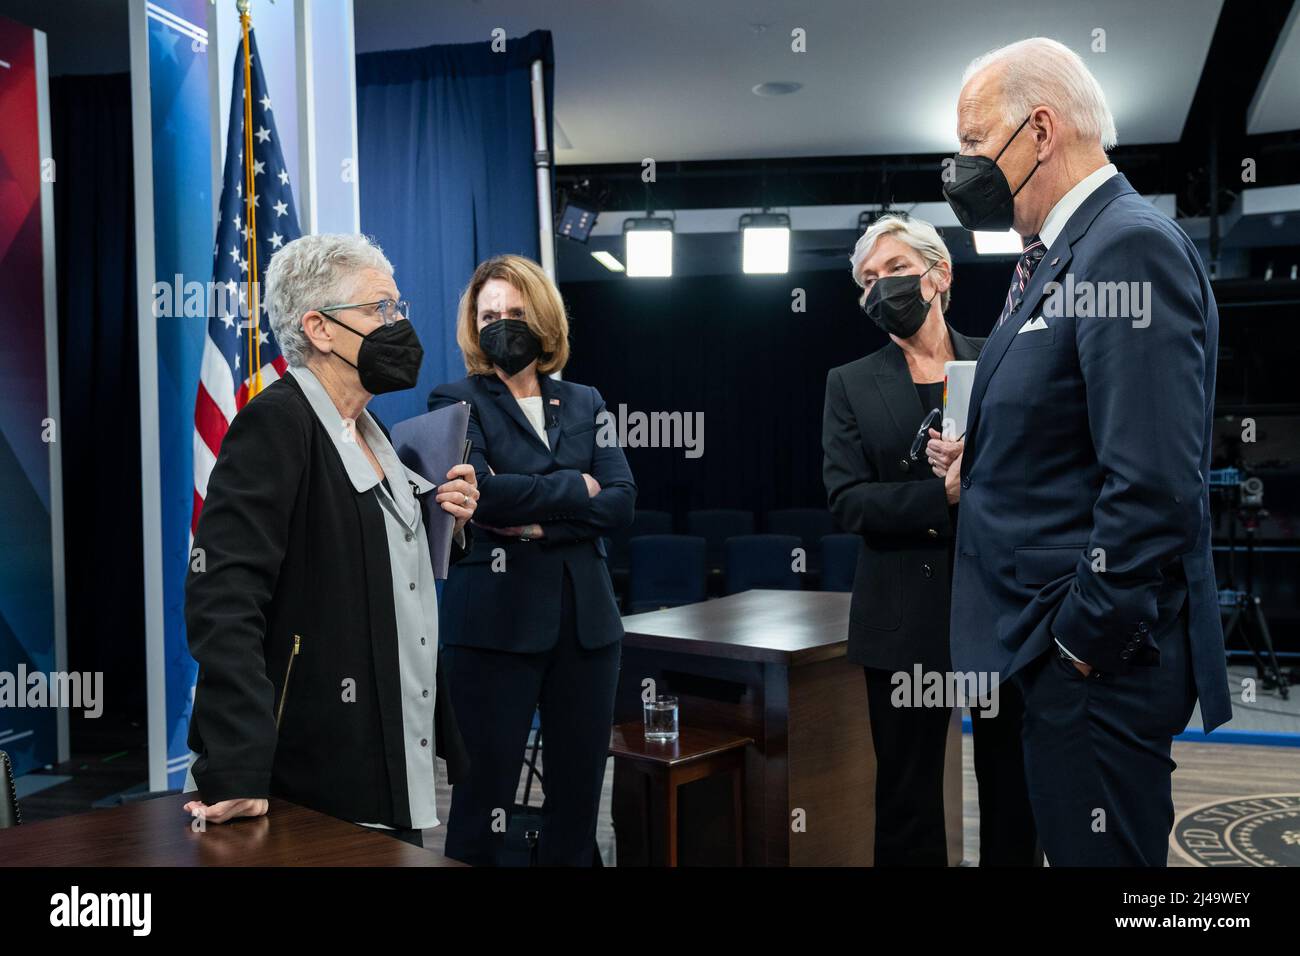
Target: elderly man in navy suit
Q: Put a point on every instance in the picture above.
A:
(1083, 567)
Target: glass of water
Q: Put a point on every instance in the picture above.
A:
(661, 719)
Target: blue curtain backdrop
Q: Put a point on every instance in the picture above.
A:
(447, 179)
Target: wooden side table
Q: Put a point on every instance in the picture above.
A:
(697, 753)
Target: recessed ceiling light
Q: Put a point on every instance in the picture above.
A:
(777, 88)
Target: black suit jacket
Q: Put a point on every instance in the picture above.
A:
(506, 594)
(898, 616)
(290, 547)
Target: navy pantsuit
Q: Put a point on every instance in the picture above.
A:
(574, 688)
(534, 624)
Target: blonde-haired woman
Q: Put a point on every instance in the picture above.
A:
(529, 616)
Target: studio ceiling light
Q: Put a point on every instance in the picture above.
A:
(766, 243)
(648, 247)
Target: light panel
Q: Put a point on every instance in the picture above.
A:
(607, 260)
(766, 244)
(648, 247)
(767, 250)
(999, 243)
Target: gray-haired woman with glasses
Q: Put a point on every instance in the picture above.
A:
(313, 614)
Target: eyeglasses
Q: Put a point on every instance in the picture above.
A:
(923, 433)
(390, 310)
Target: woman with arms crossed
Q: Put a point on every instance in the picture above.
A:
(530, 615)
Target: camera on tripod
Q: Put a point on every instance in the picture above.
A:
(1234, 487)
(1243, 494)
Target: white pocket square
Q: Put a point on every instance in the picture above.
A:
(1033, 325)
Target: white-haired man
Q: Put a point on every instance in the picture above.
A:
(1083, 544)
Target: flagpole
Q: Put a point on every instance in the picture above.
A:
(250, 218)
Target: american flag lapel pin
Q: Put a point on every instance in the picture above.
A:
(555, 401)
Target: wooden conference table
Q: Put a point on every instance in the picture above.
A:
(158, 832)
(768, 665)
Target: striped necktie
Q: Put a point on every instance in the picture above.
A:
(1025, 266)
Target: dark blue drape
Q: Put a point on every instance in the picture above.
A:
(446, 179)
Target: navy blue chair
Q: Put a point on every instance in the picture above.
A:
(760, 561)
(667, 570)
(643, 523)
(716, 526)
(840, 561)
(810, 525)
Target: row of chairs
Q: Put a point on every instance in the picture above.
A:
(668, 570)
(715, 526)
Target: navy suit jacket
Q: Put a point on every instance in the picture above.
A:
(505, 594)
(1088, 447)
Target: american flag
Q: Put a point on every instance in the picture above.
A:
(225, 382)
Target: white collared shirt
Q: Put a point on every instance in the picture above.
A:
(536, 415)
(1055, 222)
(1068, 204)
(415, 602)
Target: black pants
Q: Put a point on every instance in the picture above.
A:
(413, 837)
(1008, 836)
(1097, 754)
(495, 694)
(910, 744)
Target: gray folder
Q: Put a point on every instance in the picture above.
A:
(431, 444)
(958, 378)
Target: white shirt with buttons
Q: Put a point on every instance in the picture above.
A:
(415, 602)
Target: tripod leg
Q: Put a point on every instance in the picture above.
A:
(1257, 612)
(1236, 624)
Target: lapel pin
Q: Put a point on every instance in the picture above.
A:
(555, 401)
(1055, 261)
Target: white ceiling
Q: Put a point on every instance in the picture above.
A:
(1276, 105)
(672, 79)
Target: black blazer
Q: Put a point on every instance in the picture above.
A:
(506, 594)
(898, 616)
(288, 546)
